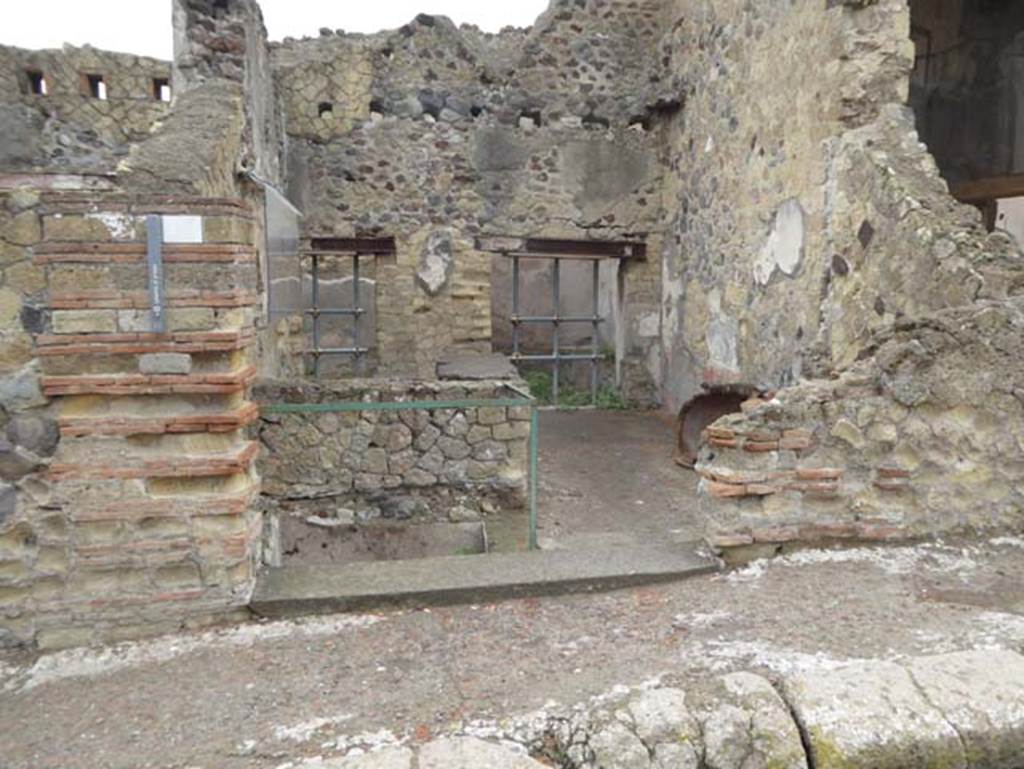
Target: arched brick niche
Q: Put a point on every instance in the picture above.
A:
(703, 410)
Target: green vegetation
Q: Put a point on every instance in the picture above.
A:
(608, 397)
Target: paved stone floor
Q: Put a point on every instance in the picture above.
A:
(604, 472)
(267, 695)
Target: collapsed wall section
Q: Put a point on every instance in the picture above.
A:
(849, 278)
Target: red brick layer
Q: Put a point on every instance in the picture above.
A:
(193, 423)
(150, 384)
(189, 467)
(110, 253)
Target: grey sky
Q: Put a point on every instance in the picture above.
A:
(143, 26)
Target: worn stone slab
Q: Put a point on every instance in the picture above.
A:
(294, 590)
(746, 723)
(388, 758)
(476, 368)
(472, 753)
(981, 694)
(872, 715)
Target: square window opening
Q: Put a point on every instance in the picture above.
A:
(37, 82)
(97, 87)
(162, 89)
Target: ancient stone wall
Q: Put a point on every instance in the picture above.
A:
(128, 482)
(437, 135)
(429, 464)
(746, 189)
(866, 294)
(226, 40)
(69, 128)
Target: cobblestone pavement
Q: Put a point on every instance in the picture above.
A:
(266, 694)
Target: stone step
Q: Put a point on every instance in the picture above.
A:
(323, 589)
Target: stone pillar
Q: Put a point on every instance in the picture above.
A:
(147, 518)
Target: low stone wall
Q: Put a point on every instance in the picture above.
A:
(923, 439)
(437, 464)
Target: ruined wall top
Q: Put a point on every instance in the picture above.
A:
(590, 62)
(76, 109)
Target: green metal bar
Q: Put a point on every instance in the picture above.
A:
(320, 408)
(534, 443)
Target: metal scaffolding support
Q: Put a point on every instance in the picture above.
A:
(558, 354)
(355, 249)
(318, 351)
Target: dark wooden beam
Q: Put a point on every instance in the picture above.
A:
(377, 246)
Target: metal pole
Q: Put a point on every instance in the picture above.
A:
(316, 315)
(555, 292)
(515, 305)
(595, 341)
(534, 443)
(155, 266)
(355, 318)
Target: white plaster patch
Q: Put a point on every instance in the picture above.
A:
(723, 656)
(892, 560)
(120, 226)
(88, 663)
(700, 619)
(183, 229)
(1017, 542)
(721, 335)
(303, 731)
(649, 326)
(364, 742)
(784, 248)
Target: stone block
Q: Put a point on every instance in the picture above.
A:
(85, 322)
(15, 462)
(478, 434)
(388, 758)
(453, 448)
(511, 431)
(23, 229)
(981, 693)
(402, 463)
(8, 502)
(491, 415)
(38, 434)
(28, 278)
(458, 426)
(375, 461)
(10, 309)
(418, 478)
(191, 319)
(75, 227)
(427, 438)
(490, 451)
(165, 363)
(394, 437)
(871, 714)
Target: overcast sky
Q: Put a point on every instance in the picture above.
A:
(144, 26)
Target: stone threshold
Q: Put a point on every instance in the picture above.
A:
(322, 589)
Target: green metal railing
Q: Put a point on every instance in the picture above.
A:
(524, 400)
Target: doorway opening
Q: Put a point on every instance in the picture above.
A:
(967, 93)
